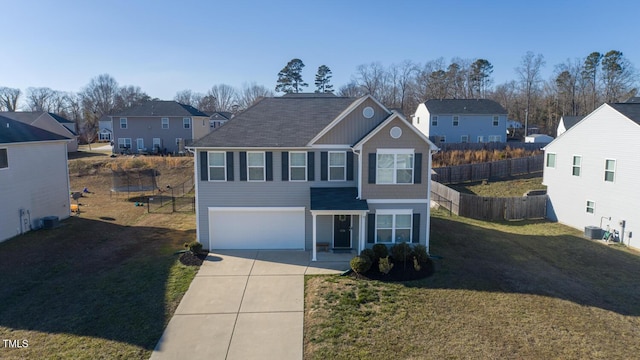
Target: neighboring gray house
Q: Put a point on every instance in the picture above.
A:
(462, 121)
(158, 127)
(299, 170)
(566, 122)
(595, 183)
(47, 121)
(219, 118)
(34, 177)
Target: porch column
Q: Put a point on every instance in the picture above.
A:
(313, 246)
(361, 233)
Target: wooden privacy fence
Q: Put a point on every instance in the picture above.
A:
(491, 146)
(489, 208)
(490, 170)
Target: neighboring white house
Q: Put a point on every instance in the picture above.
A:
(538, 138)
(461, 120)
(34, 177)
(592, 172)
(105, 128)
(566, 122)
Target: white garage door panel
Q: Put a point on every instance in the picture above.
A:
(256, 228)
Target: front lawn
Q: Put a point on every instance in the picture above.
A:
(502, 290)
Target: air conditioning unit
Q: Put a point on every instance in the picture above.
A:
(593, 232)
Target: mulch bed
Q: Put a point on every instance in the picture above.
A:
(190, 259)
(400, 272)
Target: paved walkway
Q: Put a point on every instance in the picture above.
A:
(245, 305)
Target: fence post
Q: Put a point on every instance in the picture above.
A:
(173, 203)
(148, 206)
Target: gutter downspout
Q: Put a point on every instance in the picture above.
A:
(359, 173)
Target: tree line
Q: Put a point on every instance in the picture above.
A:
(576, 87)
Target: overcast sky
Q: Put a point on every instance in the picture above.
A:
(168, 46)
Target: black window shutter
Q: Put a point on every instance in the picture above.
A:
(417, 168)
(229, 166)
(268, 159)
(372, 168)
(371, 228)
(204, 166)
(324, 166)
(416, 228)
(243, 166)
(285, 166)
(349, 165)
(311, 160)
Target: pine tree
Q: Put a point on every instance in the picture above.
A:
(290, 77)
(322, 80)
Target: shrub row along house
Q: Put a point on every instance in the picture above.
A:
(34, 178)
(592, 182)
(294, 171)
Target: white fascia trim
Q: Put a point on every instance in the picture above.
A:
(393, 116)
(322, 146)
(245, 148)
(395, 151)
(195, 172)
(339, 212)
(257, 208)
(344, 114)
(394, 212)
(398, 201)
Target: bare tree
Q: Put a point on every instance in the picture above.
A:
(9, 98)
(371, 78)
(188, 97)
(250, 94)
(351, 89)
(98, 99)
(530, 79)
(39, 99)
(568, 84)
(403, 77)
(129, 96)
(224, 97)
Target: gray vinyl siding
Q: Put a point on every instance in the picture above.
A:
(408, 140)
(354, 126)
(421, 209)
(604, 134)
(470, 125)
(148, 128)
(36, 181)
(276, 193)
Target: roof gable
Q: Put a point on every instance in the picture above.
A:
(630, 109)
(464, 106)
(569, 121)
(391, 118)
(161, 108)
(13, 131)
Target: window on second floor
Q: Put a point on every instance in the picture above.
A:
(609, 170)
(394, 167)
(577, 165)
(298, 166)
(551, 160)
(186, 123)
(4, 159)
(123, 123)
(165, 123)
(337, 166)
(434, 121)
(217, 166)
(256, 166)
(456, 121)
(496, 121)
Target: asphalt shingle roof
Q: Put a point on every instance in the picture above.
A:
(464, 106)
(336, 198)
(569, 121)
(289, 121)
(30, 117)
(161, 108)
(14, 131)
(630, 110)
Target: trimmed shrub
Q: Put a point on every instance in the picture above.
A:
(360, 264)
(194, 246)
(384, 265)
(401, 251)
(420, 253)
(370, 254)
(380, 250)
(416, 264)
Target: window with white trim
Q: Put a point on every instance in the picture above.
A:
(157, 144)
(217, 166)
(4, 158)
(456, 121)
(394, 166)
(164, 123)
(337, 166)
(496, 121)
(256, 166)
(577, 165)
(124, 143)
(434, 121)
(123, 123)
(464, 138)
(609, 170)
(140, 144)
(495, 138)
(297, 166)
(186, 123)
(591, 207)
(480, 139)
(551, 160)
(394, 226)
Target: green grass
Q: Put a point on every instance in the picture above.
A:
(502, 290)
(506, 188)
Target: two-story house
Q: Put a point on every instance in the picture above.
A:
(219, 118)
(294, 171)
(34, 177)
(462, 120)
(591, 172)
(157, 127)
(49, 122)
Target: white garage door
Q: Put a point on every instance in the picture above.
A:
(256, 228)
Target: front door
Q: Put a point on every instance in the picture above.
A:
(342, 231)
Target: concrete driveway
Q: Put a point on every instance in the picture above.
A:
(245, 305)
